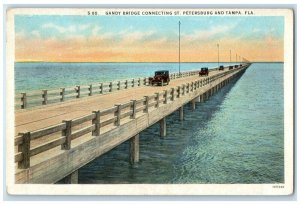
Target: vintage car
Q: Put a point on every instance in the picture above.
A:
(160, 78)
(221, 67)
(236, 66)
(204, 71)
(230, 67)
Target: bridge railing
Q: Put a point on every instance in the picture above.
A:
(98, 121)
(44, 97)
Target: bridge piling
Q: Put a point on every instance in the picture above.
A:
(134, 150)
(163, 127)
(193, 102)
(181, 113)
(72, 178)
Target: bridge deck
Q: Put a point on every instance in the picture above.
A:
(52, 114)
(46, 116)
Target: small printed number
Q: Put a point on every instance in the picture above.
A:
(278, 186)
(92, 13)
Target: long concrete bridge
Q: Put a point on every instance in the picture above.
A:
(52, 142)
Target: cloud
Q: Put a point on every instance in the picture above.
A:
(95, 30)
(58, 28)
(209, 34)
(73, 29)
(36, 33)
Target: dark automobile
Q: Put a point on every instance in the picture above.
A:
(160, 78)
(204, 71)
(236, 66)
(241, 65)
(221, 67)
(230, 67)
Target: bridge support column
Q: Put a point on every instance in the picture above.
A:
(134, 149)
(198, 99)
(163, 127)
(181, 113)
(193, 104)
(72, 178)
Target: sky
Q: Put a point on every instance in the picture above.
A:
(58, 38)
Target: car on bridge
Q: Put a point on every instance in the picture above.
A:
(204, 71)
(160, 78)
(236, 66)
(230, 67)
(221, 67)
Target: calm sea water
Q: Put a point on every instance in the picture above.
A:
(234, 137)
(37, 76)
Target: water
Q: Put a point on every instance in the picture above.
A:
(234, 137)
(40, 75)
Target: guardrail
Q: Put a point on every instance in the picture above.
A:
(43, 97)
(94, 123)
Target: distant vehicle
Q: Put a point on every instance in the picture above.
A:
(204, 71)
(230, 67)
(241, 65)
(221, 67)
(160, 78)
(236, 66)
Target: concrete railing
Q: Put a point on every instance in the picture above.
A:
(98, 121)
(43, 97)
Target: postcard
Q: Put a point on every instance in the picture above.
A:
(149, 101)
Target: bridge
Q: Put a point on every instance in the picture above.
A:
(53, 141)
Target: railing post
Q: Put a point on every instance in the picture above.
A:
(126, 84)
(78, 91)
(91, 90)
(62, 94)
(173, 94)
(119, 85)
(110, 86)
(25, 149)
(24, 101)
(139, 82)
(183, 92)
(133, 83)
(118, 115)
(166, 97)
(188, 88)
(96, 122)
(157, 99)
(145, 81)
(133, 109)
(192, 86)
(147, 104)
(45, 97)
(101, 88)
(67, 132)
(179, 91)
